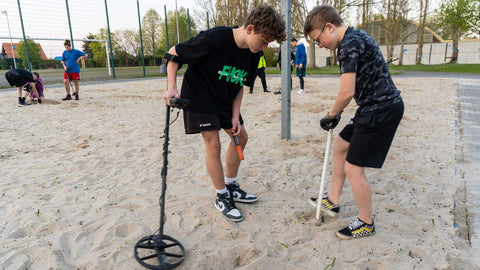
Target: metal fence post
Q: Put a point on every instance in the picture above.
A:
(110, 40)
(188, 21)
(286, 71)
(141, 39)
(24, 37)
(69, 24)
(166, 26)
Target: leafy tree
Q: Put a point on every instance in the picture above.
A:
(86, 45)
(151, 30)
(33, 53)
(455, 18)
(98, 48)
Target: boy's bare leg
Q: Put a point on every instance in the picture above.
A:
(67, 86)
(232, 161)
(340, 148)
(361, 191)
(76, 85)
(214, 165)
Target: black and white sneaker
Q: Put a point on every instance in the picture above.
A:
(328, 207)
(226, 205)
(356, 229)
(239, 195)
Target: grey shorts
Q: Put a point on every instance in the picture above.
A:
(196, 122)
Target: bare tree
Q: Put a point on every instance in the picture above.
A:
(424, 4)
(405, 30)
(204, 7)
(128, 41)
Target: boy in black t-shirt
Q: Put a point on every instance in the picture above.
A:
(21, 78)
(220, 62)
(365, 140)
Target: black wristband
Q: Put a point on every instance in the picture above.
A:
(174, 58)
(171, 57)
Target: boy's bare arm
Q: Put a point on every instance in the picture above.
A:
(237, 102)
(345, 94)
(172, 69)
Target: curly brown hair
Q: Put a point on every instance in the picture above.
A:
(267, 22)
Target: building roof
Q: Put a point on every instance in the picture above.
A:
(377, 30)
(7, 48)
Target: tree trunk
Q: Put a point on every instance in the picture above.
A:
(402, 44)
(311, 55)
(421, 30)
(454, 58)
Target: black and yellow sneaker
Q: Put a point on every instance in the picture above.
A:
(356, 229)
(328, 207)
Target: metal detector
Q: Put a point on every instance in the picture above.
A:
(160, 251)
(70, 83)
(322, 182)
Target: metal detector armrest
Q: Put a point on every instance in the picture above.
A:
(180, 103)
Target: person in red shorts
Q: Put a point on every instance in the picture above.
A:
(70, 59)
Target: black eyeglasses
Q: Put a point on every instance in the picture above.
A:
(317, 40)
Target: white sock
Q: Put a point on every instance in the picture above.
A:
(229, 180)
(224, 190)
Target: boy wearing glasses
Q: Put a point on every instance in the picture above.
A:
(366, 139)
(220, 62)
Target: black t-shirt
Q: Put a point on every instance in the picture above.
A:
(359, 53)
(217, 70)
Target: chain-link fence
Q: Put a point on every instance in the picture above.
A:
(108, 31)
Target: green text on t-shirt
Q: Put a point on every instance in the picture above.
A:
(233, 74)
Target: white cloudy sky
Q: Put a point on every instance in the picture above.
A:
(48, 19)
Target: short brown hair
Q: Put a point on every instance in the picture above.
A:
(267, 22)
(319, 16)
(67, 43)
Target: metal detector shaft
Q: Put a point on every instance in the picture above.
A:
(324, 172)
(70, 83)
(164, 168)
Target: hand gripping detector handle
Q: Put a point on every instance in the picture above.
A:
(236, 140)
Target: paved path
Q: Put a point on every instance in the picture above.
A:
(468, 156)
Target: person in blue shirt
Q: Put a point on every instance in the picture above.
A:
(70, 59)
(300, 63)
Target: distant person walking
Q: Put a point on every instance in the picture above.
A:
(300, 63)
(70, 59)
(260, 73)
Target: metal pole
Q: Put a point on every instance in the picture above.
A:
(208, 22)
(141, 39)
(176, 17)
(110, 40)
(188, 20)
(11, 40)
(166, 25)
(69, 24)
(286, 70)
(108, 59)
(24, 37)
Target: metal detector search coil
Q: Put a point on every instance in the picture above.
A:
(160, 251)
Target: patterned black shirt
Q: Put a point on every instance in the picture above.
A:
(359, 53)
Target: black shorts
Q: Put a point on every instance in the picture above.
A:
(15, 79)
(370, 135)
(196, 122)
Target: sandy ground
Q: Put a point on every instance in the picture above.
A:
(80, 183)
